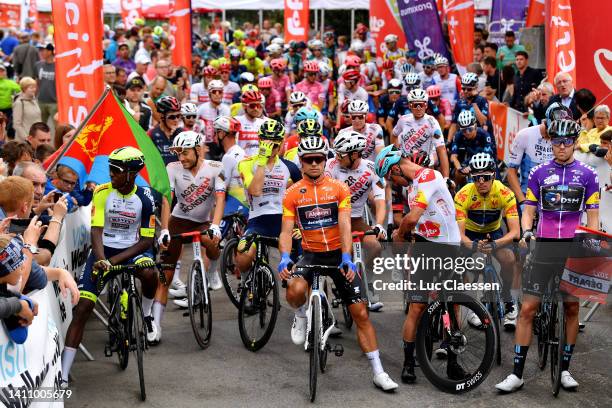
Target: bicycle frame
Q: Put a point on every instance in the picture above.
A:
(196, 244)
(358, 257)
(316, 291)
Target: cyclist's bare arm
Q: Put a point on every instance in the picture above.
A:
(527, 218)
(255, 186)
(219, 208)
(451, 132)
(514, 232)
(165, 213)
(464, 239)
(380, 206)
(443, 159)
(96, 242)
(346, 235)
(284, 240)
(515, 185)
(593, 218)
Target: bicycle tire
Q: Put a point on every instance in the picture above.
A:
(228, 268)
(254, 301)
(315, 345)
(476, 376)
(495, 311)
(200, 310)
(557, 338)
(138, 332)
(119, 326)
(542, 334)
(323, 348)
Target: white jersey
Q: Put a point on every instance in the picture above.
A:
(429, 191)
(344, 93)
(247, 136)
(198, 93)
(207, 113)
(361, 181)
(448, 87)
(229, 90)
(419, 134)
(427, 80)
(194, 194)
(233, 181)
(529, 149)
(374, 139)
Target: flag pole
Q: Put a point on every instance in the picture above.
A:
(67, 145)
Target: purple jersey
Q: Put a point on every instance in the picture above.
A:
(561, 193)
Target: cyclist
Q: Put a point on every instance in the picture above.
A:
(236, 70)
(439, 104)
(561, 190)
(448, 82)
(169, 126)
(281, 81)
(199, 188)
(250, 122)
(122, 232)
(312, 88)
(199, 92)
(386, 103)
(428, 76)
(372, 132)
(306, 127)
(432, 217)
(402, 106)
(272, 98)
(208, 111)
(420, 131)
(471, 101)
(480, 207)
(320, 207)
(265, 176)
(253, 63)
(229, 87)
(189, 111)
(292, 121)
(393, 53)
(316, 49)
(350, 167)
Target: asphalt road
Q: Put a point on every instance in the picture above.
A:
(180, 374)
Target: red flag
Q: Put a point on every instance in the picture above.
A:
(499, 120)
(180, 30)
(78, 57)
(131, 10)
(384, 20)
(535, 13)
(460, 17)
(296, 20)
(10, 15)
(560, 43)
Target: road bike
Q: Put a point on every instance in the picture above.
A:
(230, 274)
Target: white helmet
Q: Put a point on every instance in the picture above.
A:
(482, 162)
(406, 68)
(274, 48)
(297, 97)
(357, 46)
(247, 77)
(324, 68)
(187, 139)
(312, 145)
(417, 95)
(214, 37)
(390, 38)
(189, 109)
(216, 84)
(395, 83)
(469, 79)
(358, 106)
(235, 52)
(316, 44)
(278, 40)
(466, 119)
(349, 141)
(224, 123)
(440, 60)
(412, 80)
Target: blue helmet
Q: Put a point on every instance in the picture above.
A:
(305, 113)
(388, 156)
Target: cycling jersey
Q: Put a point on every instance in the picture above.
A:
(198, 93)
(374, 139)
(233, 182)
(561, 193)
(247, 135)
(273, 102)
(394, 55)
(463, 104)
(229, 90)
(164, 143)
(315, 207)
(194, 194)
(257, 68)
(345, 93)
(207, 112)
(449, 87)
(419, 134)
(281, 85)
(361, 181)
(465, 148)
(484, 214)
(275, 183)
(427, 80)
(314, 91)
(529, 149)
(235, 73)
(123, 218)
(429, 191)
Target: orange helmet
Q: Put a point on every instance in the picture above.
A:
(265, 82)
(311, 66)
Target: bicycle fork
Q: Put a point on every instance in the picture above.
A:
(197, 255)
(316, 292)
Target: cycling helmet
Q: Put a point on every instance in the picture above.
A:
(127, 159)
(556, 111)
(482, 162)
(250, 53)
(344, 106)
(412, 80)
(358, 106)
(251, 96)
(189, 109)
(271, 130)
(305, 113)
(278, 63)
(311, 66)
(235, 52)
(388, 64)
(434, 91)
(390, 38)
(227, 124)
(469, 80)
(351, 75)
(429, 61)
(440, 61)
(312, 145)
(466, 119)
(167, 104)
(309, 127)
(349, 141)
(224, 67)
(297, 97)
(395, 84)
(419, 157)
(274, 49)
(210, 71)
(215, 84)
(357, 46)
(387, 158)
(239, 35)
(324, 68)
(265, 82)
(352, 61)
(187, 140)
(563, 128)
(315, 45)
(278, 41)
(247, 77)
(417, 95)
(248, 87)
(406, 68)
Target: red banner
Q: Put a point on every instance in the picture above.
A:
(78, 57)
(131, 10)
(180, 30)
(384, 20)
(499, 118)
(460, 18)
(560, 43)
(593, 47)
(10, 15)
(535, 13)
(33, 14)
(296, 20)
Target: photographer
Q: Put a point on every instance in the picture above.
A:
(66, 181)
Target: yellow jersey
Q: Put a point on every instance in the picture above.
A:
(484, 213)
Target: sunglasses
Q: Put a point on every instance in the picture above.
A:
(314, 159)
(567, 141)
(428, 66)
(418, 105)
(190, 117)
(469, 129)
(483, 178)
(358, 117)
(274, 143)
(216, 91)
(395, 92)
(254, 105)
(469, 89)
(298, 105)
(113, 168)
(173, 117)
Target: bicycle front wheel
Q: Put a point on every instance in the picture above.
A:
(118, 329)
(495, 313)
(230, 275)
(200, 311)
(138, 334)
(315, 345)
(557, 345)
(469, 351)
(541, 325)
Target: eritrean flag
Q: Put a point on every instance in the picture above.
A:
(108, 127)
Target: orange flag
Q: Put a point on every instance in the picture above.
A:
(560, 47)
(296, 20)
(180, 30)
(460, 18)
(535, 13)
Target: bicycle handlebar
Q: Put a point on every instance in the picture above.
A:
(190, 234)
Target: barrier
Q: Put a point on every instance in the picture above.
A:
(506, 124)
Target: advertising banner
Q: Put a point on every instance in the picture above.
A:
(421, 24)
(296, 20)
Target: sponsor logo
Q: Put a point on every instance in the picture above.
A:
(429, 229)
(554, 178)
(318, 212)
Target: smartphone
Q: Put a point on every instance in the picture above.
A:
(19, 225)
(57, 195)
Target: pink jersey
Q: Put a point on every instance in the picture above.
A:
(273, 101)
(314, 91)
(280, 85)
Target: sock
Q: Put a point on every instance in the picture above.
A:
(519, 360)
(177, 272)
(567, 356)
(374, 358)
(158, 312)
(300, 311)
(67, 359)
(408, 352)
(146, 306)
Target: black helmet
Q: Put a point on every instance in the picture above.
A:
(167, 104)
(563, 128)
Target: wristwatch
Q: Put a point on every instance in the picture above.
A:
(32, 248)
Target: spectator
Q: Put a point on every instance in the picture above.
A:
(135, 104)
(25, 57)
(506, 54)
(565, 88)
(42, 153)
(15, 152)
(490, 50)
(63, 133)
(156, 91)
(3, 135)
(9, 43)
(538, 99)
(145, 48)
(589, 141)
(123, 58)
(110, 74)
(604, 171)
(476, 68)
(121, 77)
(479, 37)
(494, 88)
(507, 77)
(585, 101)
(142, 64)
(479, 53)
(164, 70)
(26, 111)
(39, 134)
(8, 88)
(267, 32)
(45, 75)
(525, 80)
(66, 180)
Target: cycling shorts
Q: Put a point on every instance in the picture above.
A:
(548, 262)
(482, 236)
(268, 225)
(87, 287)
(178, 225)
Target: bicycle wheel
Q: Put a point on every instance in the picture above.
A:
(557, 335)
(138, 334)
(118, 328)
(200, 311)
(541, 327)
(323, 348)
(258, 308)
(493, 308)
(230, 275)
(473, 348)
(315, 345)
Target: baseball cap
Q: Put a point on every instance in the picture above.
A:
(136, 82)
(11, 256)
(142, 59)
